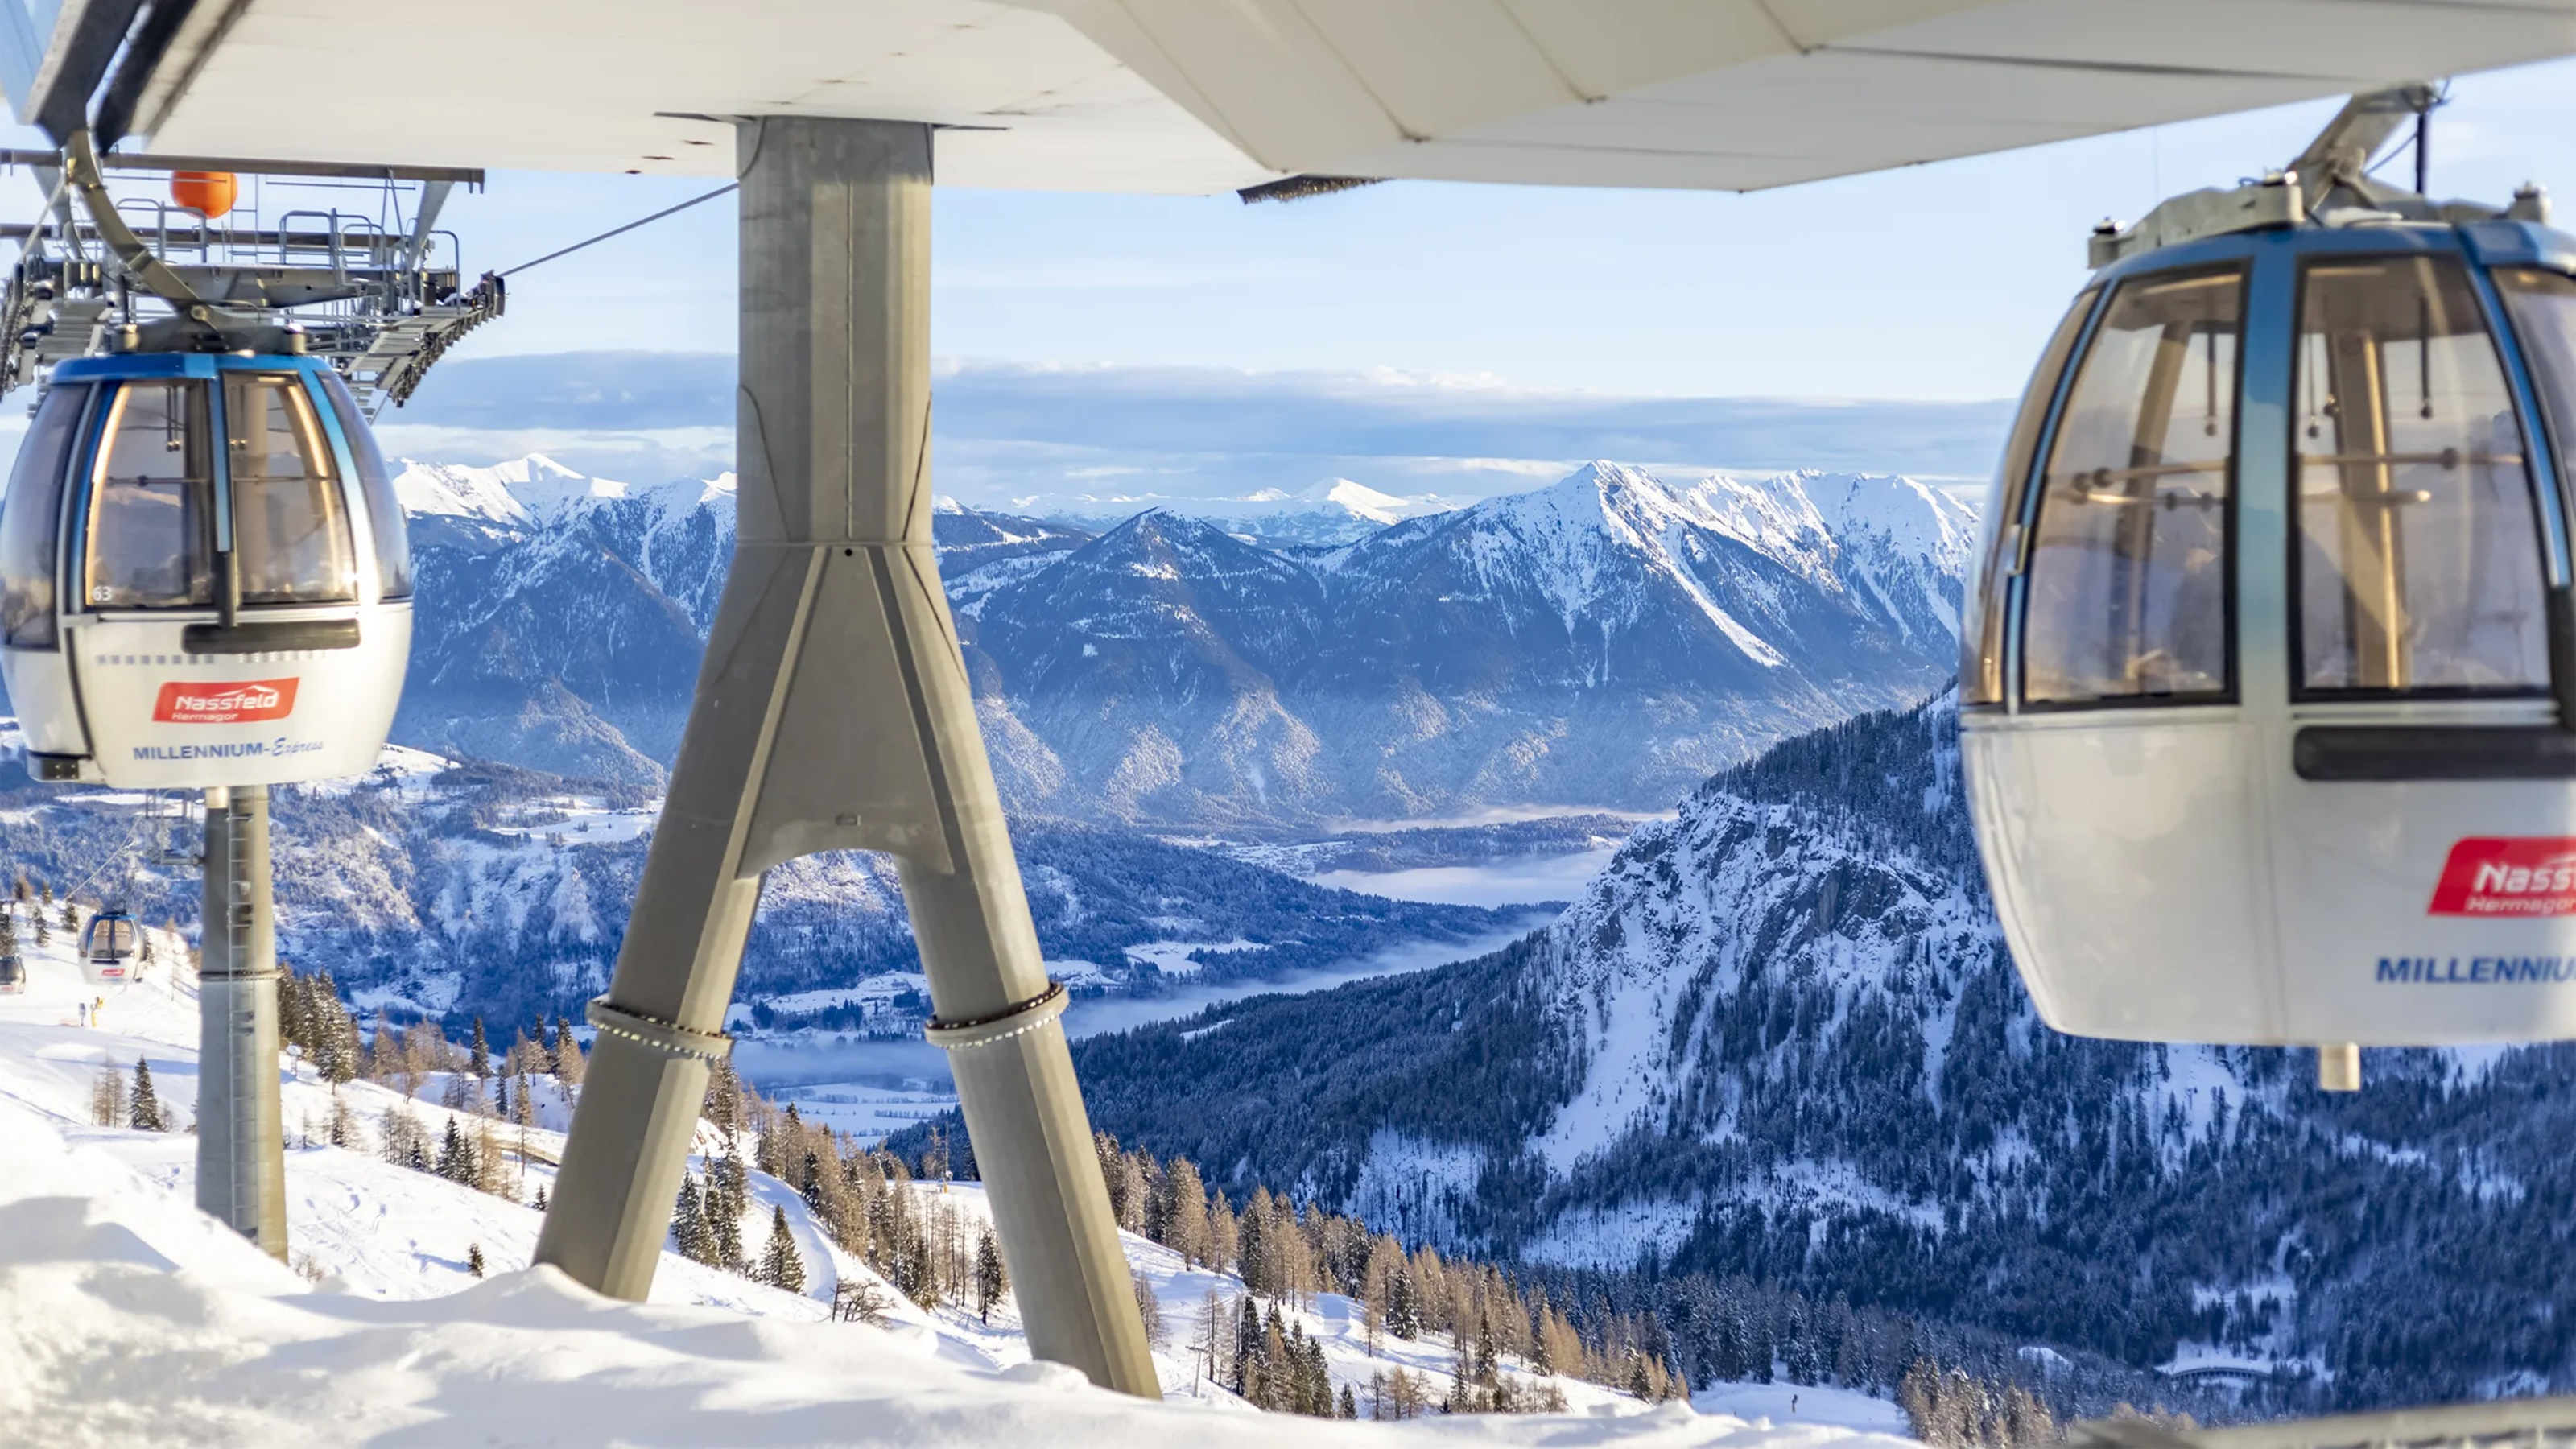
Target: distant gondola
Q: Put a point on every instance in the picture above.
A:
(107, 947)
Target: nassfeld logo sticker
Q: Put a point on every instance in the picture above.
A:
(2532, 875)
(209, 703)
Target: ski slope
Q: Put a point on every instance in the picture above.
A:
(128, 1317)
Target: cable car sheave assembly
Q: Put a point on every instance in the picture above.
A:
(204, 578)
(2268, 698)
(378, 292)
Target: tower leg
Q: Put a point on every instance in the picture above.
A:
(833, 713)
(241, 1149)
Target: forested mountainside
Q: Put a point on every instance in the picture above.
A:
(1779, 1039)
(475, 889)
(1606, 641)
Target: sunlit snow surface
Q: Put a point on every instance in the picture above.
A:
(126, 1317)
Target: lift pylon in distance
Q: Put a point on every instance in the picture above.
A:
(832, 713)
(2266, 699)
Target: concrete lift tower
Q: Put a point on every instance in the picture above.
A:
(833, 710)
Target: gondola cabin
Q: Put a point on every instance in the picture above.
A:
(2265, 702)
(204, 576)
(107, 947)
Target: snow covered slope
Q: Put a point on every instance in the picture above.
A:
(126, 1317)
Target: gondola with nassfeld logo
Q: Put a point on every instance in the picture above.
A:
(2268, 702)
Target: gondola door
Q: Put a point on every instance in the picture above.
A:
(2424, 549)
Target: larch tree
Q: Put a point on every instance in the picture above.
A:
(1150, 1309)
(1185, 1223)
(107, 1097)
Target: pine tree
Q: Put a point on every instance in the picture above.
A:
(780, 1264)
(480, 1063)
(474, 1259)
(689, 1234)
(540, 1203)
(1403, 1306)
(724, 1229)
(71, 918)
(501, 1096)
(456, 1157)
(991, 1279)
(568, 1063)
(1247, 1350)
(344, 1123)
(1252, 1251)
(147, 1105)
(1350, 1408)
(727, 1183)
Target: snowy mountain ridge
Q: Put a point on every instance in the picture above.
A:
(1606, 641)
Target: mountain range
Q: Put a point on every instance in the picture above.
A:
(1606, 641)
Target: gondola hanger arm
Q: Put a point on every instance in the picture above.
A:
(80, 168)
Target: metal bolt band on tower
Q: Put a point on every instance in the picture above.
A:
(833, 713)
(241, 1149)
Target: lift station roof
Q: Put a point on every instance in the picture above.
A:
(1205, 95)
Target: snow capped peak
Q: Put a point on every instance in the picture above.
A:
(549, 489)
(1361, 501)
(456, 491)
(685, 495)
(1165, 526)
(537, 489)
(1603, 476)
(1914, 517)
